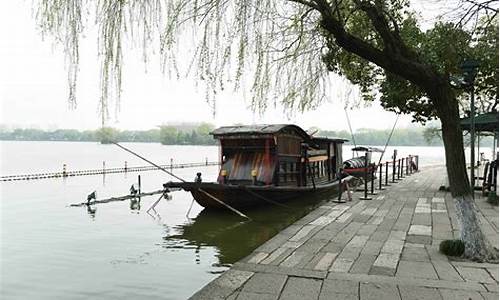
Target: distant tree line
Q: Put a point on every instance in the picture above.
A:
(182, 134)
(198, 134)
(377, 137)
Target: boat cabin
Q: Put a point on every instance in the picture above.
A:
(281, 155)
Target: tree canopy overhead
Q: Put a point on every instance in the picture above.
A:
(279, 51)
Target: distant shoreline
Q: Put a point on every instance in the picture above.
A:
(98, 142)
(199, 135)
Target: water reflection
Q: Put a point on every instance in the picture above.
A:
(91, 211)
(233, 237)
(135, 204)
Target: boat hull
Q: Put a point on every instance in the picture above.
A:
(242, 196)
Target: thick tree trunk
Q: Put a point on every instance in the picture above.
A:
(476, 245)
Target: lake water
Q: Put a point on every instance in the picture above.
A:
(51, 251)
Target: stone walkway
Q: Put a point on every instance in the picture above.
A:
(385, 248)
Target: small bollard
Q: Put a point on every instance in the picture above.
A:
(254, 176)
(223, 173)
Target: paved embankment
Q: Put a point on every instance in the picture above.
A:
(385, 248)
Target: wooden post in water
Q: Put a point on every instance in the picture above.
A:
(64, 173)
(103, 167)
(125, 166)
(171, 164)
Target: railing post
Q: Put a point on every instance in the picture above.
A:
(410, 159)
(372, 179)
(402, 170)
(380, 177)
(386, 173)
(407, 166)
(399, 168)
(394, 166)
(366, 180)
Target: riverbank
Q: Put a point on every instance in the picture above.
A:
(386, 248)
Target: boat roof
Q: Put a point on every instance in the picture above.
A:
(367, 149)
(264, 129)
(329, 139)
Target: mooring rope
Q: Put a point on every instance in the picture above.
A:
(181, 179)
(388, 139)
(350, 128)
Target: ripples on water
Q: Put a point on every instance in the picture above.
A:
(52, 251)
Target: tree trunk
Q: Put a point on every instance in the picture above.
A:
(476, 245)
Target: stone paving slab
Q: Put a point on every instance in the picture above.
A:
(386, 248)
(301, 288)
(419, 293)
(418, 269)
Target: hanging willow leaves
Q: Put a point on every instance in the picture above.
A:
(268, 49)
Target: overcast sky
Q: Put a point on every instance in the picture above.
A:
(33, 89)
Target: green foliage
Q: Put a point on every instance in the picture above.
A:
(492, 198)
(187, 134)
(193, 134)
(107, 135)
(378, 137)
(452, 247)
(283, 47)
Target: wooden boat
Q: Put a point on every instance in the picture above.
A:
(269, 163)
(357, 166)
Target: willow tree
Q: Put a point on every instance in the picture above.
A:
(285, 51)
